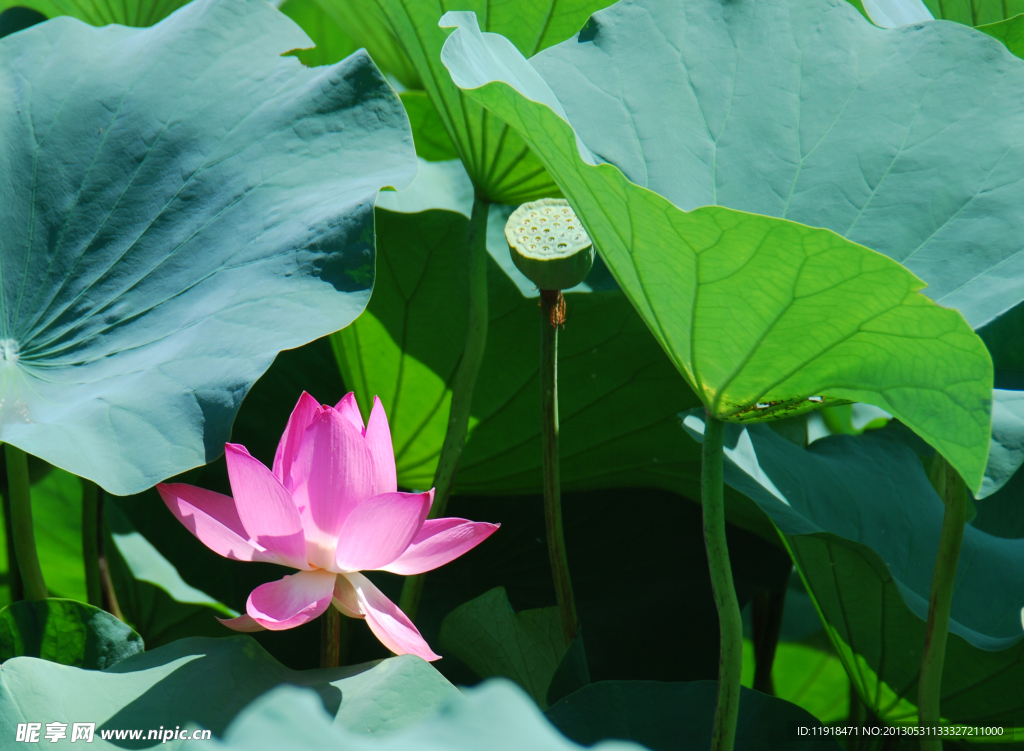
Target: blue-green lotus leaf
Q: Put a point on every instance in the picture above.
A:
(806, 111)
(177, 205)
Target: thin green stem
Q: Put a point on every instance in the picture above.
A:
(953, 492)
(730, 663)
(766, 613)
(462, 384)
(552, 309)
(13, 572)
(330, 638)
(19, 491)
(91, 542)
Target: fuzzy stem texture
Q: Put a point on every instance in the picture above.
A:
(330, 638)
(462, 385)
(552, 305)
(19, 491)
(91, 542)
(953, 492)
(730, 663)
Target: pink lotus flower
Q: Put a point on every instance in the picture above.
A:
(330, 508)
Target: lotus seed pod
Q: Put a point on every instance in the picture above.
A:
(548, 244)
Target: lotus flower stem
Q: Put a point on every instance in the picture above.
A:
(953, 491)
(730, 662)
(552, 316)
(330, 638)
(18, 488)
(91, 542)
(462, 385)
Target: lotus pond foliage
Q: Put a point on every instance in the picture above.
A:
(673, 349)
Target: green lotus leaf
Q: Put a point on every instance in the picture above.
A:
(66, 632)
(813, 679)
(496, 716)
(500, 164)
(368, 26)
(493, 640)
(1010, 32)
(671, 716)
(813, 114)
(764, 317)
(974, 12)
(207, 683)
(101, 12)
(172, 221)
(333, 44)
(862, 523)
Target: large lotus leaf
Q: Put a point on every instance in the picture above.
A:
(66, 632)
(496, 716)
(808, 112)
(862, 523)
(405, 348)
(179, 204)
(500, 164)
(678, 716)
(207, 682)
(760, 314)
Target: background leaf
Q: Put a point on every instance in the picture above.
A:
(65, 632)
(499, 163)
(862, 524)
(179, 241)
(676, 716)
(493, 640)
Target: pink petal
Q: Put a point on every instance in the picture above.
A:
(348, 408)
(379, 530)
(243, 623)
(306, 409)
(438, 542)
(335, 471)
(388, 623)
(382, 452)
(291, 601)
(213, 519)
(345, 598)
(265, 508)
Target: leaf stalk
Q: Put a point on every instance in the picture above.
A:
(552, 316)
(953, 492)
(91, 542)
(19, 491)
(730, 664)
